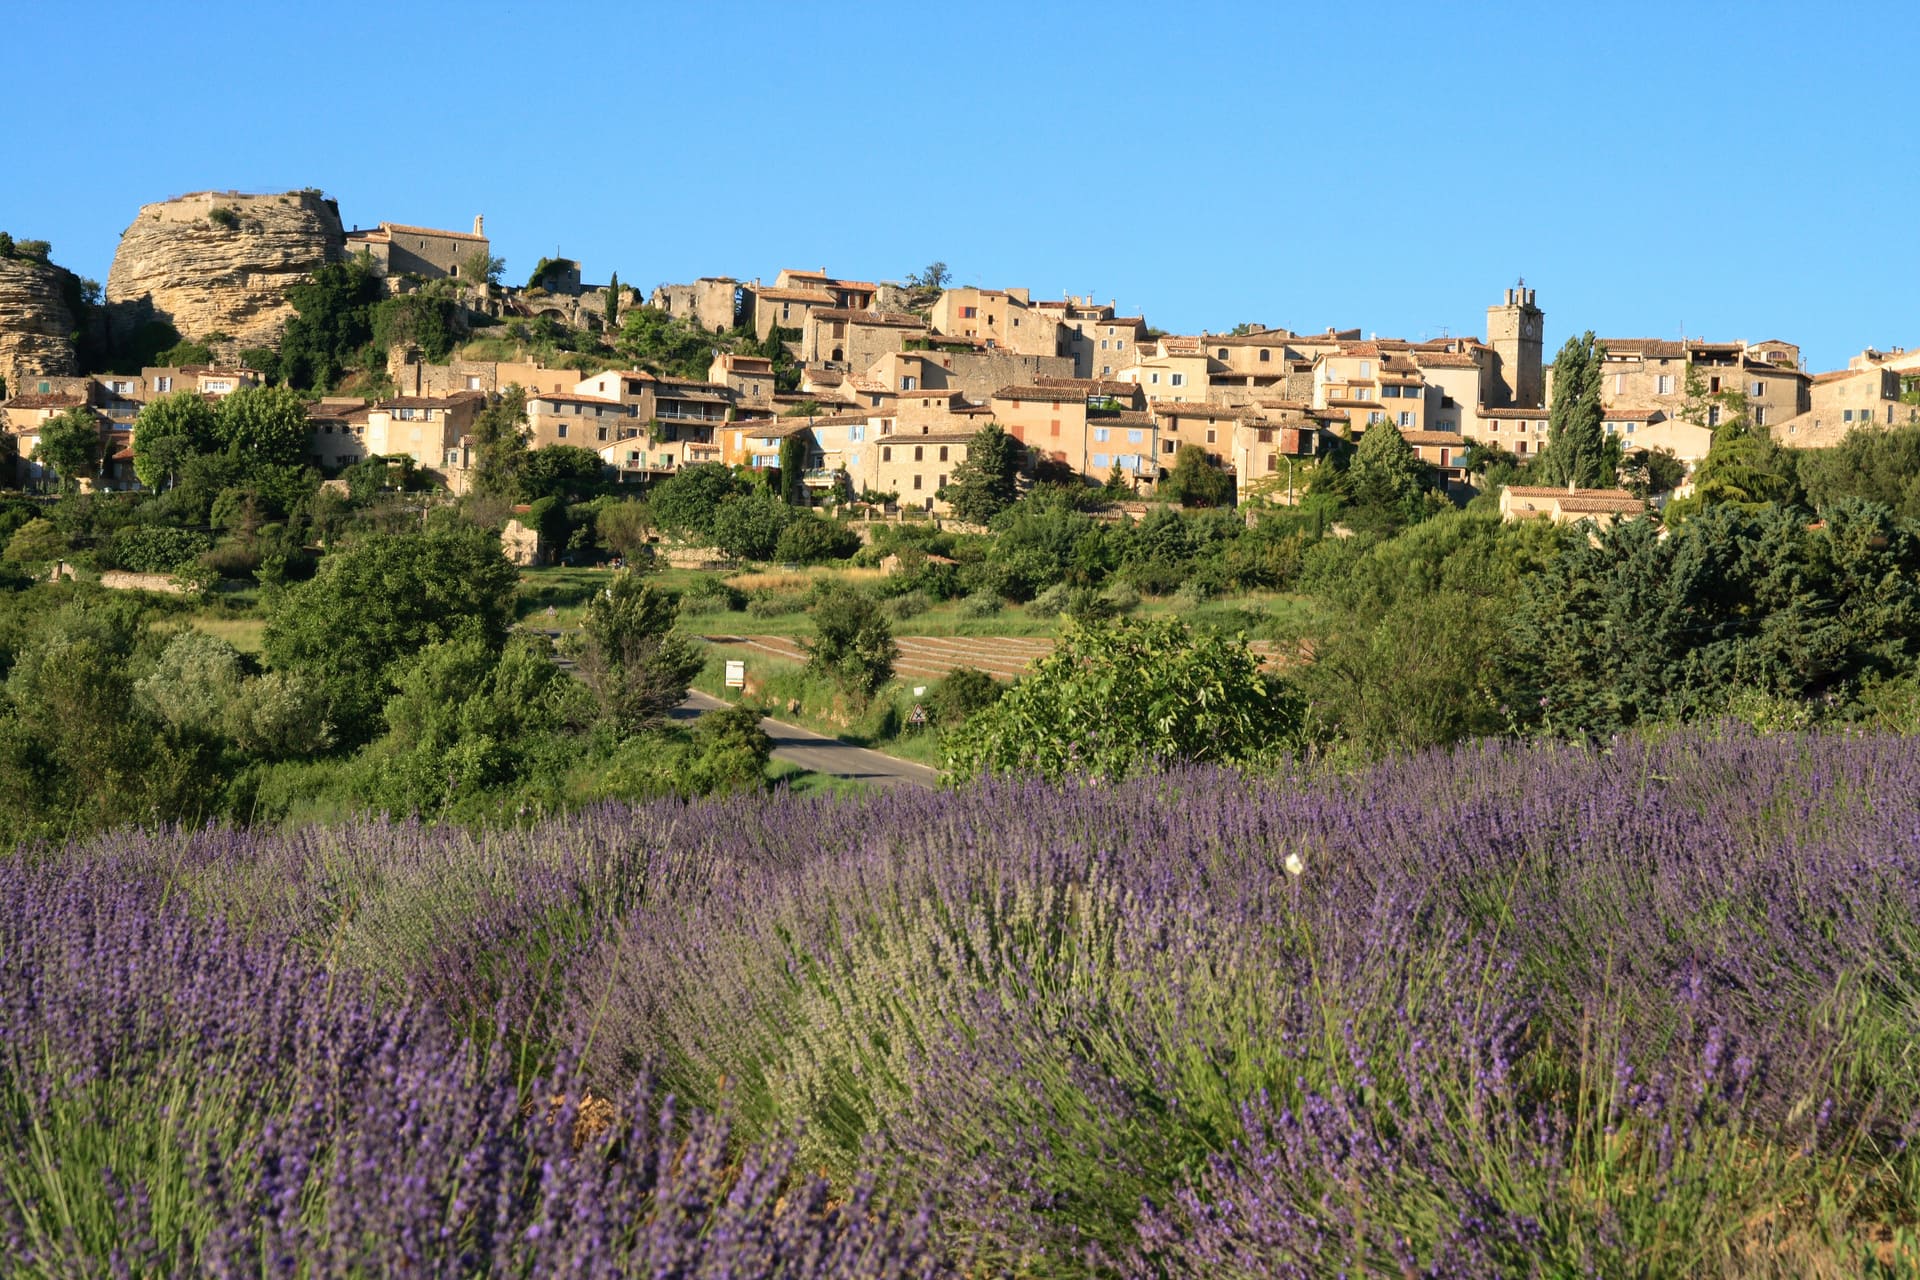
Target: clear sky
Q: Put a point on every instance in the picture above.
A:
(1725, 170)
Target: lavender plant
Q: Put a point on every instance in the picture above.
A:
(1643, 1008)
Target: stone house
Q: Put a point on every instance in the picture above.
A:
(1267, 452)
(401, 250)
(787, 308)
(1177, 371)
(916, 466)
(338, 433)
(1452, 381)
(1565, 506)
(1000, 319)
(1515, 327)
(851, 295)
(1099, 342)
(748, 378)
(856, 339)
(585, 421)
(1209, 427)
(428, 429)
(1521, 432)
(712, 302)
(1052, 421)
(1849, 399)
(157, 381)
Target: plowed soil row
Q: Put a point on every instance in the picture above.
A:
(931, 657)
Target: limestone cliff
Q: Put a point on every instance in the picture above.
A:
(220, 262)
(36, 325)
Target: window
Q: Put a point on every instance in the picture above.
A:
(1265, 355)
(968, 313)
(1154, 378)
(1374, 416)
(1713, 386)
(1053, 427)
(1363, 393)
(1713, 413)
(1166, 446)
(1178, 379)
(1366, 368)
(1135, 437)
(943, 457)
(1210, 435)
(786, 310)
(1120, 344)
(856, 433)
(1223, 353)
(919, 454)
(1103, 344)
(603, 433)
(1406, 419)
(562, 432)
(886, 453)
(916, 482)
(1666, 384)
(1266, 435)
(1846, 415)
(1759, 388)
(1101, 460)
(1619, 384)
(473, 383)
(1389, 393)
(1760, 416)
(1100, 435)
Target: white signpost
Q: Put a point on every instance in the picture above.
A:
(736, 674)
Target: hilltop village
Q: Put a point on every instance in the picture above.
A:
(879, 386)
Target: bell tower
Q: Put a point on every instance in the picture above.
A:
(1514, 331)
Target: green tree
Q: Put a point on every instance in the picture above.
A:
(748, 526)
(36, 542)
(1115, 695)
(630, 656)
(651, 339)
(563, 471)
(625, 528)
(333, 322)
(1576, 452)
(422, 320)
(169, 432)
(70, 445)
(1386, 479)
(613, 303)
(852, 643)
(378, 601)
(500, 445)
(808, 539)
(266, 425)
(987, 481)
(481, 267)
(1195, 481)
(793, 466)
(686, 502)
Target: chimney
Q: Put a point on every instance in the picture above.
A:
(479, 225)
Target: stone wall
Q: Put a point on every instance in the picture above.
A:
(221, 262)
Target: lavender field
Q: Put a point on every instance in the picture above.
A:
(1648, 1010)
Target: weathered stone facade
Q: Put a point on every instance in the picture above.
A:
(712, 302)
(1514, 331)
(221, 262)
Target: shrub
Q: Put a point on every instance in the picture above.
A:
(145, 548)
(911, 605)
(980, 604)
(809, 540)
(852, 643)
(775, 604)
(1052, 602)
(963, 691)
(710, 593)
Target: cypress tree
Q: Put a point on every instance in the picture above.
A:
(1576, 449)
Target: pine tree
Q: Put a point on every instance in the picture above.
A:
(1386, 475)
(1576, 448)
(613, 303)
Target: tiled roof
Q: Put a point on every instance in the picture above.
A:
(55, 401)
(1050, 394)
(1504, 414)
(1088, 386)
(1580, 500)
(747, 364)
(928, 437)
(565, 397)
(1446, 360)
(1441, 438)
(886, 319)
(1619, 413)
(796, 295)
(1197, 409)
(426, 231)
(1647, 348)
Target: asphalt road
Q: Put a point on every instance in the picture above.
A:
(821, 754)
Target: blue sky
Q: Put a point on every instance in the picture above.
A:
(1732, 171)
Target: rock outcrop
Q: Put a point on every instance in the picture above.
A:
(221, 262)
(36, 324)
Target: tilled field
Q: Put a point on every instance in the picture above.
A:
(1004, 657)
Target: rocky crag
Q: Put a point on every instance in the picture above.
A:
(36, 323)
(221, 262)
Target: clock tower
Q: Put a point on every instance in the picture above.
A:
(1514, 331)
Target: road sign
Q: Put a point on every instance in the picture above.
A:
(736, 674)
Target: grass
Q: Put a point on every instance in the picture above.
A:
(243, 633)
